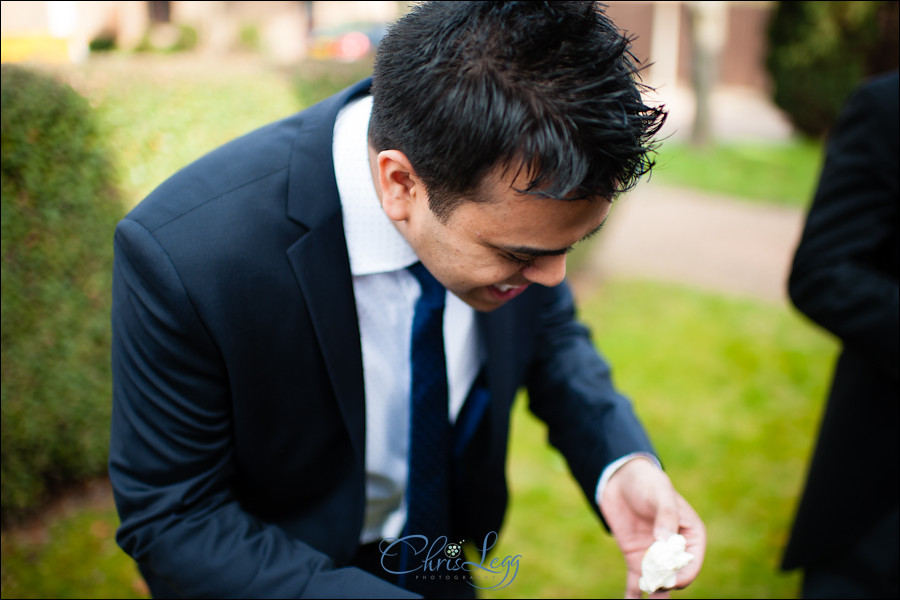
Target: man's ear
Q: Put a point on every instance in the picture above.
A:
(400, 186)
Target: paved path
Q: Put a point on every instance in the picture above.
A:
(680, 235)
(713, 242)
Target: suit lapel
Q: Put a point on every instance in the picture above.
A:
(320, 262)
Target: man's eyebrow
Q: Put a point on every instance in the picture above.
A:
(536, 252)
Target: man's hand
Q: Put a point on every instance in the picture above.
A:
(641, 506)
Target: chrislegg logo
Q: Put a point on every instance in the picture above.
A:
(442, 560)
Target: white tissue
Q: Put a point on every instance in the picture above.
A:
(662, 562)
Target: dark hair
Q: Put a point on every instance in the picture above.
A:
(547, 88)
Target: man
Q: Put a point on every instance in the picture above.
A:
(846, 278)
(273, 303)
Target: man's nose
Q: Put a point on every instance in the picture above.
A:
(546, 270)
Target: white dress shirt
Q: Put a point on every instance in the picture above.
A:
(386, 295)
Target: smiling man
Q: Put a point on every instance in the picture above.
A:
(320, 328)
(489, 251)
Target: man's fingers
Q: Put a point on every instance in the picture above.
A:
(694, 532)
(689, 572)
(667, 522)
(632, 589)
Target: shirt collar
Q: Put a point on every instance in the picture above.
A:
(373, 243)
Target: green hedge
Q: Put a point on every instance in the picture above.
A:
(59, 209)
(819, 52)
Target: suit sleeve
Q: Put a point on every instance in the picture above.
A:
(171, 453)
(571, 389)
(841, 276)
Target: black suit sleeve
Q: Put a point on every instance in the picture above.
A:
(844, 275)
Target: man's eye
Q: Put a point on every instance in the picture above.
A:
(518, 260)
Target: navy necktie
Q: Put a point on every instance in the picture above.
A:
(430, 440)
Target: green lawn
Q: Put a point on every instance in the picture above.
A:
(162, 114)
(730, 390)
(75, 556)
(782, 173)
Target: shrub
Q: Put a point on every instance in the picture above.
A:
(59, 209)
(819, 52)
(168, 38)
(249, 38)
(187, 39)
(105, 41)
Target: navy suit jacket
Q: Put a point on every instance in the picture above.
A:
(238, 427)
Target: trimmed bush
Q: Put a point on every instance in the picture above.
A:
(105, 41)
(187, 39)
(59, 210)
(819, 52)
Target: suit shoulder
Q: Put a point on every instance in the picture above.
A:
(879, 97)
(249, 158)
(244, 189)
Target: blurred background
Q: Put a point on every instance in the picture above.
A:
(684, 290)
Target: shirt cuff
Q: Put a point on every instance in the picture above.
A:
(615, 466)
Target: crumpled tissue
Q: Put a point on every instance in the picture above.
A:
(662, 562)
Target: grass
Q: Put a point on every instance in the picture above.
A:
(76, 556)
(783, 173)
(162, 114)
(730, 390)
